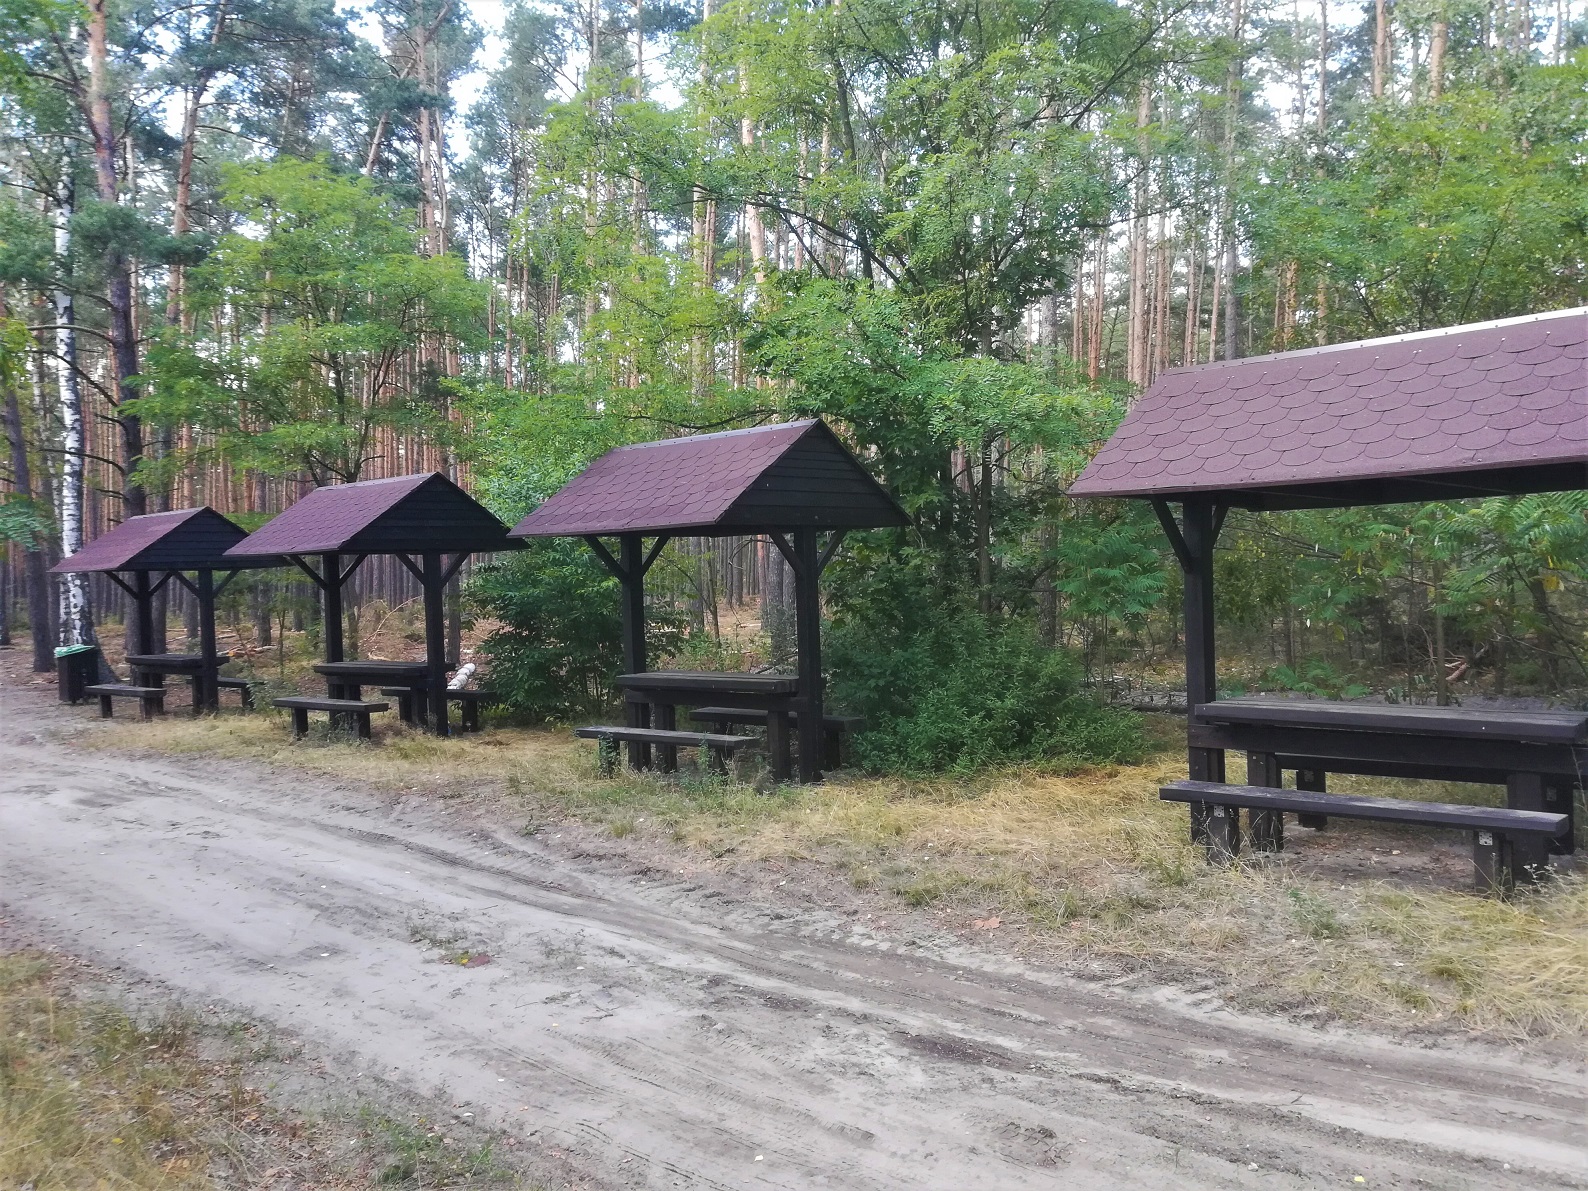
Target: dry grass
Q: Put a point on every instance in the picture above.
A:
(92, 1096)
(1090, 867)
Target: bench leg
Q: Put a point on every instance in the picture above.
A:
(1493, 862)
(149, 706)
(835, 747)
(405, 707)
(363, 724)
(106, 710)
(300, 723)
(1223, 827)
(248, 697)
(607, 754)
(1316, 781)
(1265, 827)
(717, 761)
(470, 716)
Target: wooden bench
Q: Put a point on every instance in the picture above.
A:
(468, 701)
(719, 746)
(358, 710)
(243, 686)
(834, 727)
(1215, 822)
(151, 699)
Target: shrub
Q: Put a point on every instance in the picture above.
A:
(559, 643)
(946, 689)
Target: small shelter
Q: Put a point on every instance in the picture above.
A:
(791, 482)
(1490, 409)
(143, 554)
(424, 516)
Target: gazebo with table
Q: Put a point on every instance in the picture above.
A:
(142, 555)
(792, 482)
(431, 525)
(1493, 409)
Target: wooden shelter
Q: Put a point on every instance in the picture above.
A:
(425, 517)
(1490, 409)
(792, 482)
(143, 554)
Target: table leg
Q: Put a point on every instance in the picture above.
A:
(777, 746)
(665, 716)
(637, 714)
(1530, 854)
(1561, 799)
(1316, 781)
(1266, 827)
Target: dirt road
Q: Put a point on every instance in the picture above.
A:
(668, 1038)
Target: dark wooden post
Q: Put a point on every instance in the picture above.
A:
(142, 612)
(631, 565)
(331, 574)
(436, 640)
(1199, 531)
(209, 693)
(808, 622)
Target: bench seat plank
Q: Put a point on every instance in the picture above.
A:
(1355, 806)
(719, 745)
(359, 710)
(1215, 822)
(151, 699)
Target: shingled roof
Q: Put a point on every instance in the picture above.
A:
(401, 515)
(182, 540)
(1468, 411)
(793, 475)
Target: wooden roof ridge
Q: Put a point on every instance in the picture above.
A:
(417, 513)
(776, 477)
(1474, 410)
(176, 540)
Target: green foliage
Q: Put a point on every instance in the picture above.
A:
(344, 298)
(1435, 214)
(559, 644)
(943, 688)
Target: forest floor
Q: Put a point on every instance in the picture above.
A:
(945, 983)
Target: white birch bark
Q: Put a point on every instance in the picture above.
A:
(76, 614)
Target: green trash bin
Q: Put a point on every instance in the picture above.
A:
(76, 667)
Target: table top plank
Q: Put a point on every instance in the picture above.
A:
(713, 683)
(1550, 727)
(373, 668)
(168, 661)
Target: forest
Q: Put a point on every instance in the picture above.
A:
(249, 247)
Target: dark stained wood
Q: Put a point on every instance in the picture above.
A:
(711, 682)
(1543, 727)
(1355, 806)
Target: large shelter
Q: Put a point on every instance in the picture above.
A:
(791, 481)
(425, 517)
(1483, 410)
(143, 554)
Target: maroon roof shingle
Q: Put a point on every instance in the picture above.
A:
(402, 514)
(181, 540)
(787, 476)
(1463, 411)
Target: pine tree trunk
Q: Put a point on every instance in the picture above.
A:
(118, 273)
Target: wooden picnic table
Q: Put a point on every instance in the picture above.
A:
(151, 669)
(662, 692)
(1539, 756)
(346, 680)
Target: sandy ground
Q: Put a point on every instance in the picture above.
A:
(665, 1036)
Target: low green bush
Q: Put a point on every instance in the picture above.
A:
(946, 689)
